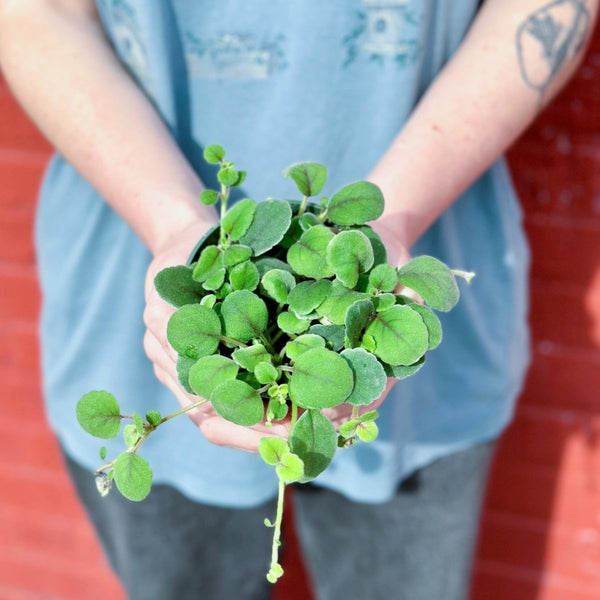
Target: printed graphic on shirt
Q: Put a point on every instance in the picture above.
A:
(127, 39)
(233, 56)
(385, 30)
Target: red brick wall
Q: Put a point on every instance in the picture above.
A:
(541, 526)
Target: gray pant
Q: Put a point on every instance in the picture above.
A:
(418, 546)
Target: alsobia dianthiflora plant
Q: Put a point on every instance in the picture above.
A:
(286, 308)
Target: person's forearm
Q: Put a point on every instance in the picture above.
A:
(64, 72)
(482, 100)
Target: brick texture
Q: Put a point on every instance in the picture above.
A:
(540, 537)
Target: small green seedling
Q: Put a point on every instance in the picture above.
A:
(287, 308)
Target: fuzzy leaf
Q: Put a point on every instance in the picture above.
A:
(271, 220)
(287, 321)
(349, 253)
(209, 262)
(244, 276)
(307, 295)
(238, 218)
(313, 439)
(213, 154)
(133, 476)
(227, 174)
(379, 251)
(356, 204)
(267, 263)
(404, 371)
(308, 256)
(432, 280)
(432, 322)
(357, 317)
(368, 431)
(400, 335)
(153, 417)
(184, 364)
(271, 449)
(384, 301)
(236, 254)
(278, 283)
(176, 286)
(251, 356)
(308, 220)
(369, 376)
(98, 413)
(210, 371)
(209, 197)
(290, 468)
(265, 372)
(321, 379)
(334, 334)
(309, 177)
(238, 402)
(308, 341)
(383, 278)
(244, 314)
(194, 331)
(215, 281)
(130, 435)
(338, 301)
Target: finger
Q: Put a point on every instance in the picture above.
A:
(224, 433)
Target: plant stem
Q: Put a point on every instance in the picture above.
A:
(294, 416)
(224, 197)
(302, 206)
(277, 525)
(224, 338)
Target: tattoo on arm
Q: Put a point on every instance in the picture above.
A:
(548, 38)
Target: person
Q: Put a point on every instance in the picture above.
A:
(421, 98)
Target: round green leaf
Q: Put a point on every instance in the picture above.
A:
(367, 432)
(213, 154)
(209, 197)
(383, 278)
(236, 254)
(369, 376)
(357, 317)
(244, 314)
(238, 218)
(379, 251)
(268, 262)
(321, 379)
(309, 177)
(251, 356)
(404, 371)
(265, 372)
(271, 449)
(314, 440)
(238, 402)
(227, 174)
(356, 204)
(184, 364)
(400, 335)
(290, 468)
(216, 280)
(384, 301)
(308, 256)
(287, 321)
(153, 417)
(277, 283)
(209, 262)
(308, 220)
(130, 435)
(338, 301)
(244, 276)
(432, 280)
(271, 220)
(194, 330)
(333, 334)
(133, 476)
(349, 253)
(176, 286)
(308, 341)
(307, 295)
(98, 413)
(432, 322)
(210, 371)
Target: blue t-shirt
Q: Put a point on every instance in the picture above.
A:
(276, 82)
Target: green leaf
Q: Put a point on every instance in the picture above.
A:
(384, 301)
(215, 281)
(98, 413)
(404, 371)
(383, 278)
(271, 221)
(358, 316)
(176, 286)
(153, 417)
(287, 321)
(194, 330)
(356, 204)
(321, 379)
(241, 178)
(238, 402)
(133, 476)
(209, 262)
(334, 334)
(271, 449)
(227, 174)
(209, 197)
(308, 341)
(139, 423)
(379, 251)
(369, 376)
(308, 256)
(209, 300)
(130, 435)
(267, 263)
(307, 295)
(276, 410)
(236, 254)
(400, 335)
(350, 253)
(265, 372)
(102, 452)
(184, 364)
(290, 468)
(309, 177)
(277, 283)
(210, 371)
(432, 280)
(338, 301)
(238, 218)
(308, 220)
(244, 314)
(213, 154)
(251, 356)
(314, 440)
(432, 322)
(244, 276)
(368, 431)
